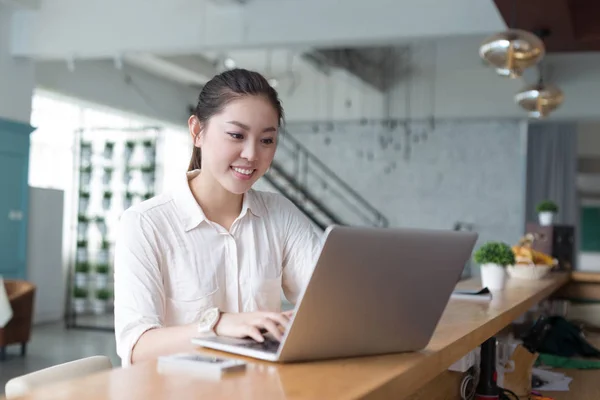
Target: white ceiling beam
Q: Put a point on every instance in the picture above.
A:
(22, 4)
(99, 29)
(187, 70)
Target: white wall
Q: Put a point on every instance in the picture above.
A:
(469, 171)
(451, 72)
(16, 76)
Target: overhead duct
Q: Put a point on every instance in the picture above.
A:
(377, 66)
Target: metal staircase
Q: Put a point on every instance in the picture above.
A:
(316, 190)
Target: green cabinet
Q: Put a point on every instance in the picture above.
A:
(14, 199)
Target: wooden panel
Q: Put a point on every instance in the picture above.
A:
(585, 277)
(580, 292)
(573, 23)
(464, 326)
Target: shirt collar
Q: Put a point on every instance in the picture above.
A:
(189, 211)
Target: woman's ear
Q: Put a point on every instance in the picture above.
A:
(195, 130)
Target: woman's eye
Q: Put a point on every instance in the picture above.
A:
(235, 135)
(267, 141)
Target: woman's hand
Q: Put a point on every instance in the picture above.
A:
(239, 325)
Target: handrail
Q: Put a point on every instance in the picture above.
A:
(383, 221)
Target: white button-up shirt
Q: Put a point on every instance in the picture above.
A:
(171, 263)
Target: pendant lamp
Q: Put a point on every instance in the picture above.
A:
(513, 51)
(539, 100)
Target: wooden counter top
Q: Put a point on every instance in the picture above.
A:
(585, 277)
(464, 325)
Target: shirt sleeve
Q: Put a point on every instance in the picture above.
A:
(138, 287)
(302, 246)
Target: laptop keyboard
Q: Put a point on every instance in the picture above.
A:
(269, 345)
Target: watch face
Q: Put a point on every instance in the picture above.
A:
(208, 319)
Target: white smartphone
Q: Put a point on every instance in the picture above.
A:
(199, 363)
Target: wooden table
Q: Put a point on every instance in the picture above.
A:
(464, 326)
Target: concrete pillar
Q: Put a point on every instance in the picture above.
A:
(17, 78)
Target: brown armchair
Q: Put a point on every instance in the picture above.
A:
(18, 330)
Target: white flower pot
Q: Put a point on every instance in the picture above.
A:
(102, 228)
(82, 229)
(86, 177)
(101, 281)
(546, 218)
(103, 256)
(493, 276)
(80, 279)
(147, 178)
(86, 155)
(79, 305)
(84, 202)
(107, 177)
(99, 306)
(81, 255)
(106, 202)
(148, 153)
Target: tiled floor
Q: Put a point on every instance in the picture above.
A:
(53, 344)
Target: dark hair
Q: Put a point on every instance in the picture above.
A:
(226, 87)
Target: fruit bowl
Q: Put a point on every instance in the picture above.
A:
(529, 271)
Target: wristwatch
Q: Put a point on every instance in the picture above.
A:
(208, 321)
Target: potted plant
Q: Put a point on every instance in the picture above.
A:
(108, 149)
(81, 273)
(86, 152)
(101, 301)
(82, 226)
(148, 195)
(129, 146)
(84, 201)
(128, 174)
(107, 175)
(546, 211)
(86, 175)
(102, 275)
(148, 150)
(128, 200)
(103, 253)
(494, 257)
(106, 199)
(101, 225)
(148, 174)
(79, 299)
(81, 255)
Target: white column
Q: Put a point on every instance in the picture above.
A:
(17, 78)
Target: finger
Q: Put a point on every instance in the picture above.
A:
(278, 318)
(288, 313)
(272, 328)
(254, 333)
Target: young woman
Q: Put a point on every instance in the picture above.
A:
(212, 256)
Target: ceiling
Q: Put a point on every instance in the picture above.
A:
(572, 24)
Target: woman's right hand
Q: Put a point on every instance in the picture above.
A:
(239, 325)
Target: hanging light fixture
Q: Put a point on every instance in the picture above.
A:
(513, 51)
(539, 100)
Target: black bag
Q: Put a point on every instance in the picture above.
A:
(555, 335)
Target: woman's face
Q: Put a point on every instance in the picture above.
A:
(238, 145)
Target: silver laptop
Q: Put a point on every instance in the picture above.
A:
(372, 291)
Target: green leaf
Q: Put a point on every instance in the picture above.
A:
(547, 206)
(495, 253)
